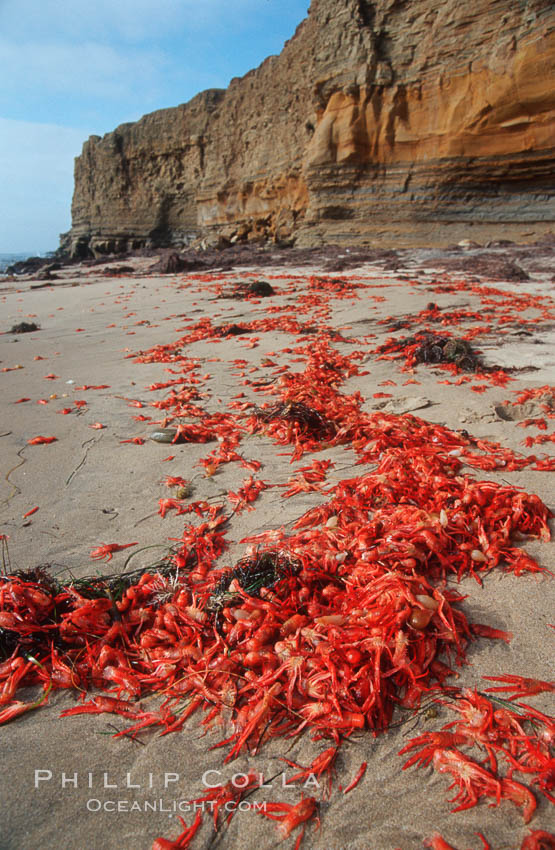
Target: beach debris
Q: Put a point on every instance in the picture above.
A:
(432, 348)
(260, 288)
(350, 258)
(164, 435)
(487, 265)
(109, 586)
(251, 575)
(24, 328)
(244, 289)
(231, 330)
(300, 419)
(174, 263)
(48, 273)
(183, 433)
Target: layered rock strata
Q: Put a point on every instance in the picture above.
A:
(392, 117)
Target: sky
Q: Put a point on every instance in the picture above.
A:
(72, 68)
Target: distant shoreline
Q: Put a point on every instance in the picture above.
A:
(17, 257)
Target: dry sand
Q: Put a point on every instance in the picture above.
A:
(93, 489)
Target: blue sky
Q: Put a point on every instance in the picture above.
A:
(72, 68)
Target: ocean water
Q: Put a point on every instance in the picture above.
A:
(7, 259)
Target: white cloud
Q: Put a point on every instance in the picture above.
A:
(36, 183)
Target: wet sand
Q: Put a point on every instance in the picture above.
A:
(91, 489)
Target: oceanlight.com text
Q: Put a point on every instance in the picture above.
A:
(171, 806)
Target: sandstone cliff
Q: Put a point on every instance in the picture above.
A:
(385, 118)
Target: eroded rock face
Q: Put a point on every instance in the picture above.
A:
(380, 118)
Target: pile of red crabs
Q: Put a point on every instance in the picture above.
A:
(333, 625)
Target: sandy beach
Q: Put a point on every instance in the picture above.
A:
(67, 782)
